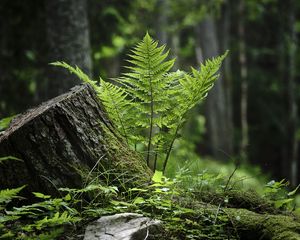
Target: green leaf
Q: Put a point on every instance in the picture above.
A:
(294, 191)
(41, 195)
(139, 200)
(77, 71)
(7, 218)
(120, 203)
(56, 220)
(7, 235)
(137, 190)
(157, 176)
(4, 122)
(68, 197)
(7, 195)
(280, 203)
(2, 159)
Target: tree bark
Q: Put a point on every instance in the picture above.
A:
(225, 36)
(215, 105)
(68, 40)
(293, 106)
(61, 138)
(244, 82)
(162, 21)
(287, 49)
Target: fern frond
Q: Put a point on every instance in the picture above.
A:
(77, 71)
(7, 158)
(8, 195)
(202, 80)
(56, 220)
(146, 82)
(148, 103)
(116, 103)
(193, 88)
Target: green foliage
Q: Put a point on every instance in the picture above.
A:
(4, 122)
(3, 159)
(177, 202)
(8, 195)
(47, 218)
(176, 205)
(165, 199)
(277, 192)
(149, 104)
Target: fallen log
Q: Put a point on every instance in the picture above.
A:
(61, 138)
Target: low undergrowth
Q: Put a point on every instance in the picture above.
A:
(201, 211)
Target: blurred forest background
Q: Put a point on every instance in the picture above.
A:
(250, 116)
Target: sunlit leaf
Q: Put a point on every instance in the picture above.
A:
(157, 176)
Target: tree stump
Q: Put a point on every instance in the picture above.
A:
(61, 138)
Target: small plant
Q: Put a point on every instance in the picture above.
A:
(49, 216)
(4, 122)
(278, 194)
(149, 104)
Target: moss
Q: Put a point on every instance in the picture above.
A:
(128, 163)
(238, 222)
(250, 215)
(252, 225)
(239, 199)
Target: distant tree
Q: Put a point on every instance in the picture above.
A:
(242, 58)
(67, 35)
(218, 104)
(287, 67)
(224, 23)
(215, 106)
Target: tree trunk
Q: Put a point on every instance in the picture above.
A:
(287, 47)
(293, 106)
(215, 108)
(244, 83)
(63, 136)
(224, 36)
(68, 40)
(161, 20)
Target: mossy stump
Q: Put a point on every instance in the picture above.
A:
(61, 138)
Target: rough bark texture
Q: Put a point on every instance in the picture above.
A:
(68, 40)
(59, 137)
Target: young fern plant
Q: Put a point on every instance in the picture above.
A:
(149, 103)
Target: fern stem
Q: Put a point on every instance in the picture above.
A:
(151, 108)
(150, 132)
(155, 160)
(170, 149)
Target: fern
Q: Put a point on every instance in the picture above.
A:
(4, 122)
(78, 72)
(148, 103)
(146, 82)
(116, 103)
(3, 159)
(8, 195)
(192, 89)
(57, 220)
